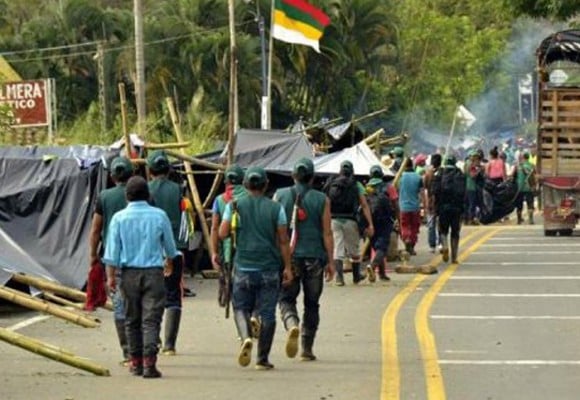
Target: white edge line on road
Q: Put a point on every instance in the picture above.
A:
(524, 252)
(510, 362)
(503, 264)
(558, 295)
(516, 278)
(508, 317)
(530, 244)
(28, 322)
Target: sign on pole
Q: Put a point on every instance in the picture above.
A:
(29, 101)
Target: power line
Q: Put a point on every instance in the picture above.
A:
(63, 47)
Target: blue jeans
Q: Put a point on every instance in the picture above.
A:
(432, 227)
(308, 273)
(257, 288)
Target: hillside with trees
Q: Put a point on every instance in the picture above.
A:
(419, 59)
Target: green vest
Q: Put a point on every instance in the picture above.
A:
(310, 242)
(257, 240)
(525, 170)
(225, 245)
(112, 200)
(166, 195)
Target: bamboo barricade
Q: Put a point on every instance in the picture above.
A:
(192, 160)
(33, 303)
(187, 165)
(49, 286)
(52, 352)
(64, 302)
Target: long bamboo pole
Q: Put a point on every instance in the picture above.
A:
(49, 286)
(187, 165)
(193, 160)
(64, 302)
(214, 188)
(33, 303)
(155, 146)
(52, 352)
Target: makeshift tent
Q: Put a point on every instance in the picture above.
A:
(361, 156)
(267, 149)
(46, 202)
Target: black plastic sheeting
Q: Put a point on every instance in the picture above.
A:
(564, 45)
(46, 203)
(267, 149)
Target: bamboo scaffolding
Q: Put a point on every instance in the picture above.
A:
(33, 303)
(49, 286)
(156, 146)
(187, 165)
(52, 352)
(214, 188)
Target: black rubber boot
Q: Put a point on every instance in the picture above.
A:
(122, 335)
(172, 320)
(531, 217)
(149, 367)
(520, 219)
(382, 274)
(265, 345)
(339, 272)
(356, 275)
(454, 250)
(307, 342)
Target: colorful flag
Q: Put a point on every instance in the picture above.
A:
(297, 21)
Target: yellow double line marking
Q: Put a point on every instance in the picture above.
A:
(391, 381)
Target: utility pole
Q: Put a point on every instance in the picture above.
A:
(233, 101)
(140, 69)
(265, 110)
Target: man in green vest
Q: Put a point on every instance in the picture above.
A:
(526, 180)
(166, 195)
(108, 203)
(312, 247)
(258, 227)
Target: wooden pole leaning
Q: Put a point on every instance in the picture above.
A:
(123, 98)
(52, 352)
(187, 165)
(64, 302)
(33, 303)
(50, 286)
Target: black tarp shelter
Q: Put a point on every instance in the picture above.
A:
(46, 202)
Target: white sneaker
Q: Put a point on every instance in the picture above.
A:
(371, 273)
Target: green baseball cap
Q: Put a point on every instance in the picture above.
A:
(376, 172)
(346, 166)
(450, 160)
(304, 164)
(256, 175)
(121, 167)
(234, 174)
(157, 161)
(398, 151)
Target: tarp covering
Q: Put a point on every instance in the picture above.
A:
(361, 156)
(267, 149)
(14, 260)
(46, 201)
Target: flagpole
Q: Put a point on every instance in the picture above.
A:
(451, 133)
(267, 100)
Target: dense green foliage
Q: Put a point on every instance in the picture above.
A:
(418, 58)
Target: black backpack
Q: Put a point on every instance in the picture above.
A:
(343, 195)
(449, 188)
(380, 206)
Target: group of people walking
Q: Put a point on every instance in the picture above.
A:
(276, 247)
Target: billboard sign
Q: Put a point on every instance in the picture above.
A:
(29, 101)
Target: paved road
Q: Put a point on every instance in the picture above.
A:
(504, 324)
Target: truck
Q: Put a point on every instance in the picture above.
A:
(558, 141)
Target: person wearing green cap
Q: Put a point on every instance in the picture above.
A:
(526, 179)
(166, 194)
(258, 227)
(397, 154)
(108, 203)
(448, 188)
(474, 180)
(312, 249)
(346, 195)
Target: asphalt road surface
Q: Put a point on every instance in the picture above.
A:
(503, 324)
